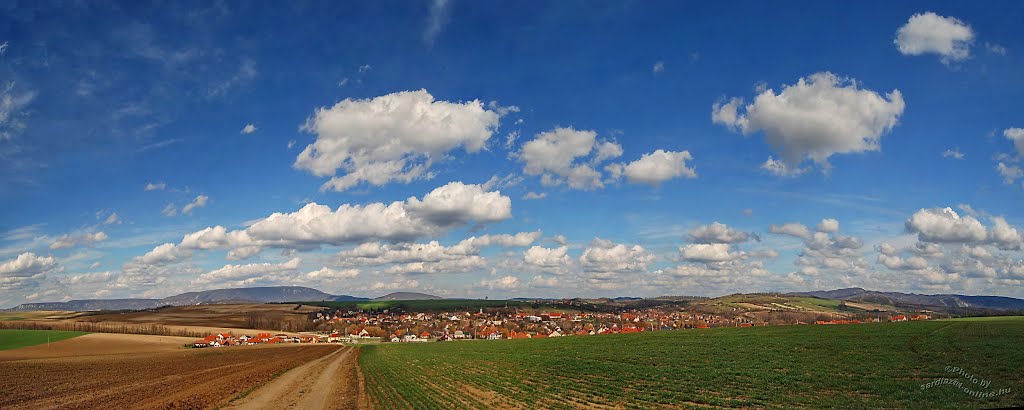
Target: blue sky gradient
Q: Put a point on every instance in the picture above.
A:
(101, 99)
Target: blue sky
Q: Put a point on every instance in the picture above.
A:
(641, 148)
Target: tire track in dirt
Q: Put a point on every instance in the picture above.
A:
(330, 382)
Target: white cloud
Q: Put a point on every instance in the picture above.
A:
(953, 153)
(533, 195)
(466, 264)
(828, 225)
(930, 33)
(25, 270)
(169, 210)
(332, 274)
(199, 202)
(659, 166)
(709, 252)
(246, 274)
(1016, 135)
(552, 259)
(68, 240)
(540, 281)
(395, 137)
(112, 219)
(717, 233)
(659, 67)
(553, 155)
(504, 283)
(996, 49)
(436, 20)
(452, 205)
(1005, 236)
(248, 129)
(159, 186)
(780, 169)
(606, 150)
(815, 118)
(12, 110)
(1010, 173)
(898, 263)
(502, 110)
(945, 225)
(606, 257)
(792, 229)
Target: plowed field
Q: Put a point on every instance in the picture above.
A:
(200, 378)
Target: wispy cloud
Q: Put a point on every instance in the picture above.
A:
(159, 144)
(436, 21)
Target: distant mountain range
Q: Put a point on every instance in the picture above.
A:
(916, 300)
(281, 294)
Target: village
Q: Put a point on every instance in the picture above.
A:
(386, 326)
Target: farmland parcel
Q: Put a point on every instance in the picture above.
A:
(880, 365)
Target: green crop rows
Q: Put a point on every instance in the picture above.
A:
(13, 339)
(879, 365)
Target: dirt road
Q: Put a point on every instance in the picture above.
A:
(330, 382)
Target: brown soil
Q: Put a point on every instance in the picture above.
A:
(230, 316)
(97, 344)
(330, 382)
(187, 378)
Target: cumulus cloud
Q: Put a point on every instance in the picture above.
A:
(452, 205)
(540, 281)
(431, 257)
(945, 225)
(68, 240)
(1016, 135)
(395, 137)
(709, 252)
(533, 195)
(898, 263)
(504, 283)
(1004, 236)
(248, 129)
(199, 202)
(659, 166)
(780, 169)
(1009, 173)
(243, 275)
(717, 233)
(930, 33)
(828, 225)
(326, 273)
(550, 259)
(25, 270)
(817, 117)
(792, 229)
(466, 264)
(556, 156)
(604, 256)
(158, 186)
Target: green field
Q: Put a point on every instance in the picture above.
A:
(880, 365)
(13, 339)
(422, 305)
